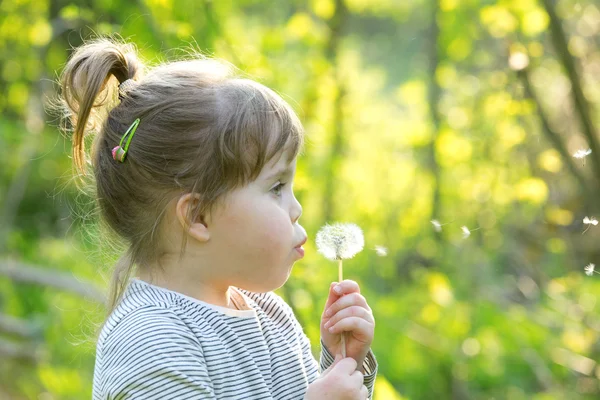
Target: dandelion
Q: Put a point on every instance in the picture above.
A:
(337, 242)
(589, 221)
(381, 251)
(589, 269)
(340, 241)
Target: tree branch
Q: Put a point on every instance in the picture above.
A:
(22, 352)
(552, 135)
(583, 107)
(19, 272)
(332, 50)
(18, 327)
(434, 95)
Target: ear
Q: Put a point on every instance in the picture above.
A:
(199, 228)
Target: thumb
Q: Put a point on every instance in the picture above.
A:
(338, 358)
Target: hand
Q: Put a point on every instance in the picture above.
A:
(341, 381)
(349, 312)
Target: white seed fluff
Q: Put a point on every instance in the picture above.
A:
(340, 241)
(466, 232)
(582, 153)
(436, 225)
(592, 221)
(589, 269)
(381, 251)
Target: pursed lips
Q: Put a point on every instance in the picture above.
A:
(301, 243)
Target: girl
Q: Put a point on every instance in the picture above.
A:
(193, 169)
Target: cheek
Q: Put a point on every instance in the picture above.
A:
(259, 224)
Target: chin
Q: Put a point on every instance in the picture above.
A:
(267, 286)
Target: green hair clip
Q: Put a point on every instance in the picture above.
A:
(119, 152)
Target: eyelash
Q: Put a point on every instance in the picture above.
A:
(279, 186)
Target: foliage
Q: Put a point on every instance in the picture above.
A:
(407, 121)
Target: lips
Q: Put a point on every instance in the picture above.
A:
(301, 243)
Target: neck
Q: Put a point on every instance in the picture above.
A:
(203, 291)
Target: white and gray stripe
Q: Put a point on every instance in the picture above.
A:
(160, 344)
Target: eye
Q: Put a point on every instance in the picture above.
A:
(277, 188)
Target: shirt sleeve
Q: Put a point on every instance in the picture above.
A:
(369, 366)
(151, 354)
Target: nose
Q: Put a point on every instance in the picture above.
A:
(296, 210)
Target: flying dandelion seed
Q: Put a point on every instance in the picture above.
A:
(466, 232)
(381, 251)
(581, 154)
(589, 221)
(589, 269)
(436, 225)
(592, 221)
(337, 242)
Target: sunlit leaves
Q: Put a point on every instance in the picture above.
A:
(509, 134)
(534, 21)
(453, 148)
(550, 160)
(323, 8)
(532, 189)
(498, 20)
(559, 216)
(440, 289)
(40, 33)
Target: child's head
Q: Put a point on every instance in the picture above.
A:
(202, 153)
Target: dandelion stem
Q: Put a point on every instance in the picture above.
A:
(341, 276)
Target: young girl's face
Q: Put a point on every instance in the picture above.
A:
(256, 235)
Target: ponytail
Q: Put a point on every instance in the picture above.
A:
(85, 87)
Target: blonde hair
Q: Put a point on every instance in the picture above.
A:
(203, 130)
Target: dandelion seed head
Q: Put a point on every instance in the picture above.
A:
(589, 269)
(340, 241)
(381, 251)
(466, 231)
(581, 153)
(436, 225)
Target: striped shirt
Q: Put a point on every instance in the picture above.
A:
(161, 344)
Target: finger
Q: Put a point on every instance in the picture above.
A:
(358, 326)
(332, 298)
(346, 366)
(358, 377)
(346, 286)
(338, 358)
(364, 393)
(352, 299)
(353, 311)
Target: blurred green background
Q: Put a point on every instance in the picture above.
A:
(465, 112)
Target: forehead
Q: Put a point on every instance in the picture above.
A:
(283, 157)
(283, 160)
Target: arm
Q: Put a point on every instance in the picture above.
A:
(369, 366)
(151, 354)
